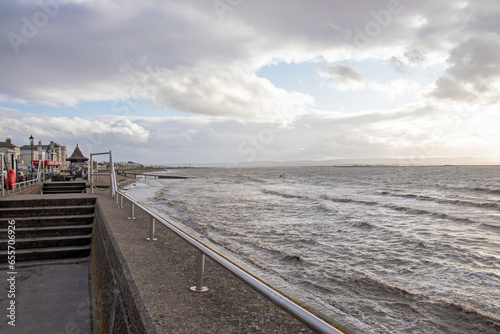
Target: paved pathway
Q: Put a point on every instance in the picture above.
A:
(48, 299)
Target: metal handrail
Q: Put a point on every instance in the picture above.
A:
(2, 176)
(30, 182)
(17, 184)
(112, 173)
(274, 295)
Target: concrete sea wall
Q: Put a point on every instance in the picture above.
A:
(118, 306)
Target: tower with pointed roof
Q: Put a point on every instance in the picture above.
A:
(77, 157)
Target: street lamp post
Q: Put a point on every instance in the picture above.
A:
(49, 151)
(31, 144)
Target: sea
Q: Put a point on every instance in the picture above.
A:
(373, 249)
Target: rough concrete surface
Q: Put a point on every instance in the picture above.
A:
(48, 299)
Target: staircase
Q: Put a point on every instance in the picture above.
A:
(48, 229)
(64, 187)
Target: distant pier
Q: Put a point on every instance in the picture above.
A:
(146, 175)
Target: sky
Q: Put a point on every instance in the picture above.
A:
(239, 81)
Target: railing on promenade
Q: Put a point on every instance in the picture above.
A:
(274, 295)
(2, 177)
(18, 186)
(95, 173)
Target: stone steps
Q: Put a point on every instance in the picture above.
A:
(47, 228)
(63, 191)
(49, 241)
(46, 211)
(49, 221)
(64, 187)
(47, 253)
(29, 264)
(43, 201)
(43, 231)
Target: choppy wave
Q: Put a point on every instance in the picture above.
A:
(491, 227)
(414, 211)
(439, 310)
(363, 225)
(486, 190)
(282, 194)
(406, 209)
(347, 200)
(444, 200)
(292, 259)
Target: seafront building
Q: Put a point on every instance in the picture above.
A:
(53, 155)
(20, 157)
(51, 152)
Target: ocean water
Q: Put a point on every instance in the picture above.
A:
(387, 249)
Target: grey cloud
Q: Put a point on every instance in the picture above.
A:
(399, 65)
(342, 77)
(474, 67)
(340, 72)
(404, 64)
(415, 56)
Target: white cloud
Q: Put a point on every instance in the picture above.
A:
(92, 133)
(395, 88)
(401, 132)
(215, 91)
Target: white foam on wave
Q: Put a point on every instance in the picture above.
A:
(144, 190)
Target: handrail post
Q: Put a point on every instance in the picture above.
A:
(132, 212)
(1, 170)
(152, 230)
(200, 271)
(111, 176)
(91, 173)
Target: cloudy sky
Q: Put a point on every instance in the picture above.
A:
(236, 81)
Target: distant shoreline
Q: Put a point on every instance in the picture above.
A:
(123, 180)
(146, 169)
